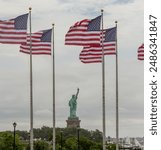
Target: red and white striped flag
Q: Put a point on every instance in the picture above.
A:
(93, 54)
(14, 31)
(85, 32)
(40, 43)
(141, 52)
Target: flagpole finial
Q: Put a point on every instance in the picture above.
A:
(116, 22)
(53, 24)
(101, 10)
(30, 8)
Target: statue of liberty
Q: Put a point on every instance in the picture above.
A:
(73, 105)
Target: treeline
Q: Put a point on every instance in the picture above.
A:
(65, 137)
(45, 133)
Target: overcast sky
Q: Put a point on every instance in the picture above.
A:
(70, 72)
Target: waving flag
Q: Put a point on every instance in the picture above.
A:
(14, 31)
(141, 52)
(85, 32)
(40, 43)
(93, 54)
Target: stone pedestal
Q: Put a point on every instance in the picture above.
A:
(73, 122)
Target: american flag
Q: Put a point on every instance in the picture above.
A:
(93, 54)
(40, 43)
(141, 52)
(85, 32)
(14, 31)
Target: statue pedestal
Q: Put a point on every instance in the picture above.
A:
(73, 122)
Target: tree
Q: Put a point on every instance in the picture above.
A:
(111, 146)
(43, 133)
(39, 145)
(96, 146)
(85, 143)
(96, 135)
(23, 134)
(89, 140)
(6, 141)
(71, 143)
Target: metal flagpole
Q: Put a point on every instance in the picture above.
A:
(31, 88)
(117, 107)
(103, 90)
(53, 88)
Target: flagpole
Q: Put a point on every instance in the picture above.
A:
(103, 90)
(31, 88)
(117, 104)
(53, 89)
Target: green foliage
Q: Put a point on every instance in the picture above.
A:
(7, 139)
(23, 134)
(85, 143)
(71, 143)
(111, 146)
(41, 145)
(89, 140)
(96, 135)
(96, 146)
(45, 133)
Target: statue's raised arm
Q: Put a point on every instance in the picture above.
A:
(77, 92)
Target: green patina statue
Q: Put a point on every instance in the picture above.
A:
(73, 105)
